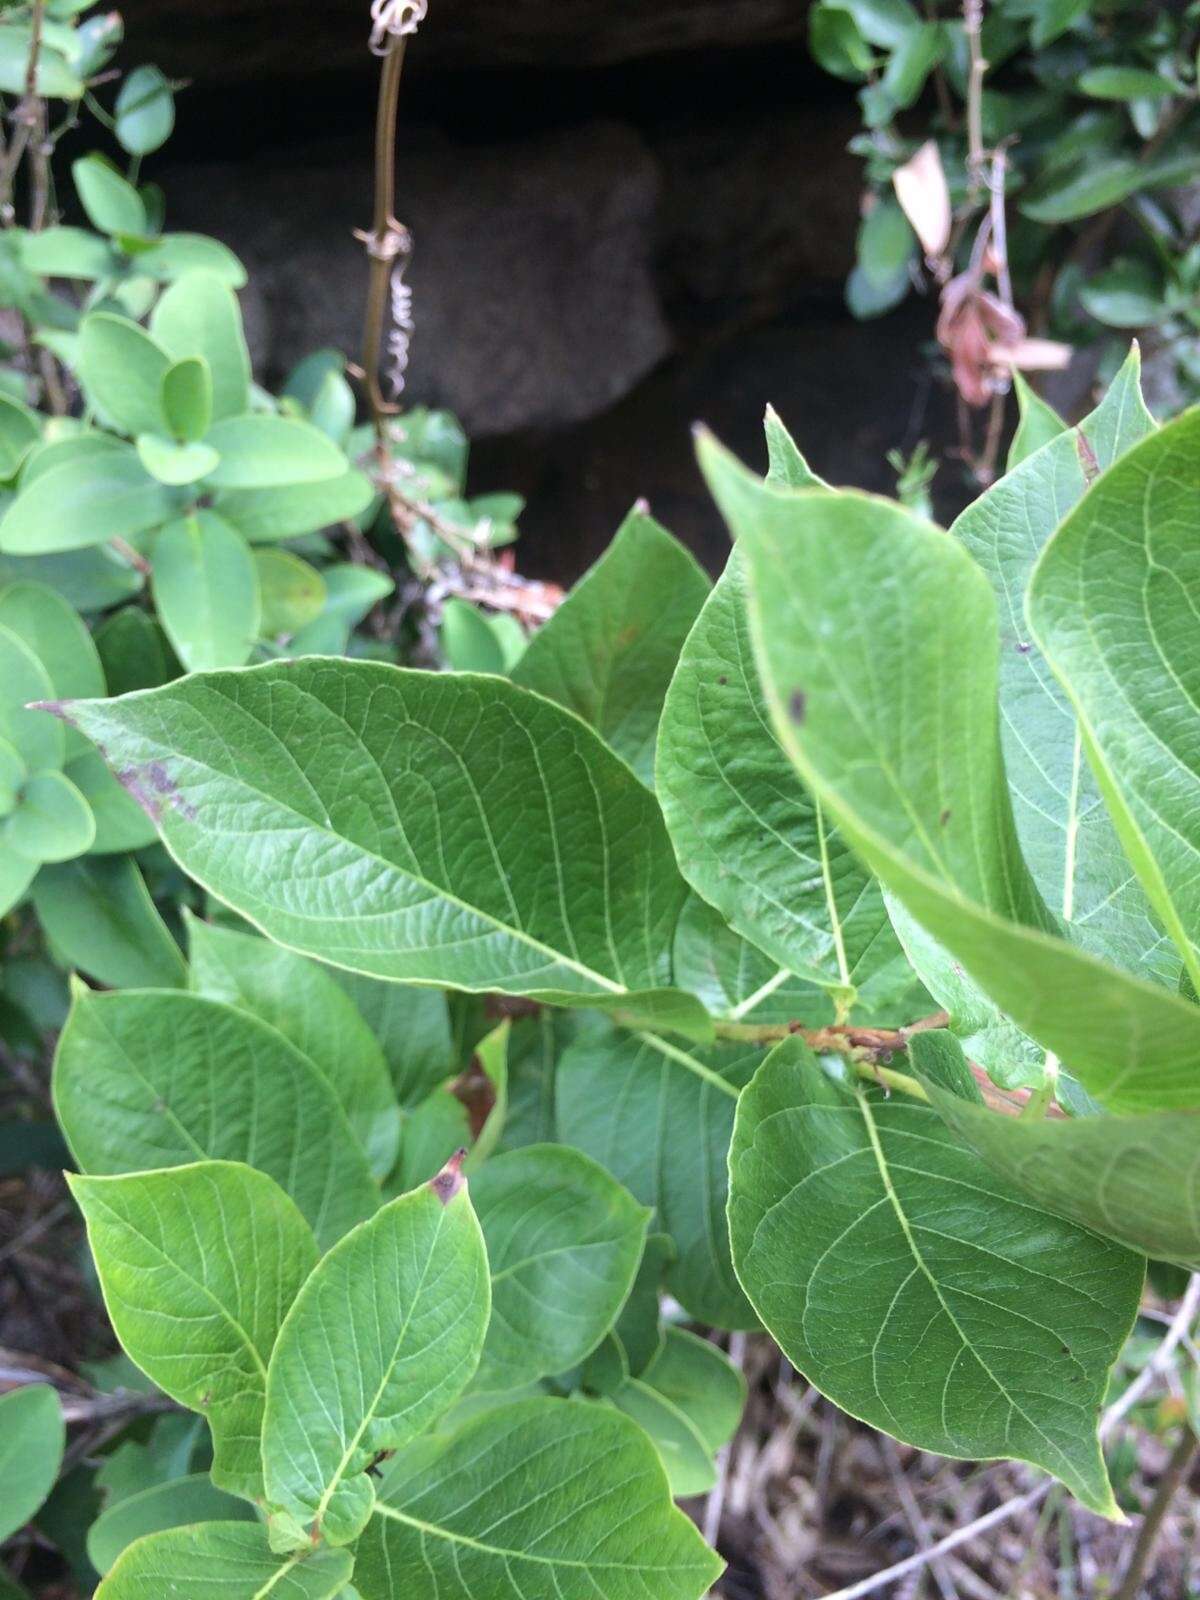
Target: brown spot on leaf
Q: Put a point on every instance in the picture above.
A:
(450, 1179)
(798, 705)
(945, 817)
(722, 680)
(1087, 456)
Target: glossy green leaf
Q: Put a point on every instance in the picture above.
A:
(1109, 604)
(85, 502)
(352, 775)
(198, 1266)
(381, 1340)
(176, 255)
(292, 591)
(174, 464)
(85, 445)
(261, 515)
(917, 1290)
(931, 814)
(1133, 1179)
(303, 1002)
(198, 318)
(112, 205)
(175, 1504)
(543, 1497)
(99, 917)
(1037, 424)
(206, 591)
(265, 452)
(1126, 83)
(563, 1242)
(145, 111)
(1066, 835)
(68, 253)
(188, 397)
(32, 1436)
(122, 370)
(146, 1079)
(223, 1561)
(51, 822)
(609, 650)
(659, 1116)
(748, 835)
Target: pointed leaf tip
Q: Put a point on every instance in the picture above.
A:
(449, 1181)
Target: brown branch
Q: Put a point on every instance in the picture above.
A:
(1177, 1470)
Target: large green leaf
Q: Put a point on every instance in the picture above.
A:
(85, 502)
(223, 1561)
(889, 712)
(206, 591)
(543, 1498)
(563, 1242)
(261, 515)
(1112, 603)
(609, 650)
(199, 1265)
(164, 1078)
(415, 826)
(262, 452)
(748, 835)
(381, 1340)
(659, 1116)
(198, 317)
(1066, 835)
(32, 1437)
(1133, 1179)
(303, 1002)
(917, 1290)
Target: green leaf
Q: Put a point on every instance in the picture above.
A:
(1133, 1179)
(52, 820)
(122, 371)
(188, 398)
(1085, 188)
(431, 1134)
(886, 242)
(836, 43)
(609, 650)
(293, 592)
(174, 464)
(883, 22)
(1109, 605)
(931, 814)
(563, 1241)
(32, 1437)
(411, 1026)
(135, 651)
(24, 681)
(54, 79)
(1066, 835)
(350, 592)
(545, 1497)
(223, 1561)
(918, 1291)
(1126, 83)
(638, 1331)
(198, 1266)
(56, 634)
(686, 1459)
(176, 1504)
(145, 111)
(1038, 424)
(659, 1117)
(354, 772)
(381, 1340)
(911, 62)
(83, 446)
(100, 918)
(263, 452)
(176, 254)
(163, 1078)
(85, 502)
(746, 831)
(303, 1002)
(206, 591)
(262, 515)
(468, 641)
(702, 1383)
(1127, 294)
(120, 822)
(198, 318)
(68, 253)
(19, 432)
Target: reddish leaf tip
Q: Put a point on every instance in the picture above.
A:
(447, 1183)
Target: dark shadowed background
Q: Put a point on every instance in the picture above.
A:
(626, 218)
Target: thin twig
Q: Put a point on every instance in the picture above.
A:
(1177, 1469)
(973, 25)
(915, 1516)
